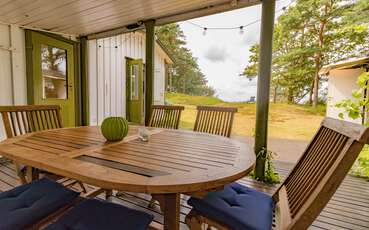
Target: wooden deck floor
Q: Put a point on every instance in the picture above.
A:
(348, 209)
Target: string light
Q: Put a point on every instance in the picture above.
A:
(204, 31)
(240, 28)
(120, 43)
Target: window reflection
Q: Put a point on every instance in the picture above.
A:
(134, 82)
(54, 72)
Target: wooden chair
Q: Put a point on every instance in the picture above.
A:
(57, 207)
(165, 116)
(313, 180)
(20, 120)
(215, 120)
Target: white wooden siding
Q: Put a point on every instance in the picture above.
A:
(341, 84)
(13, 89)
(159, 80)
(107, 74)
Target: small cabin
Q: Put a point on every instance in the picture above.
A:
(342, 81)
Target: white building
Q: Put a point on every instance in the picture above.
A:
(109, 59)
(342, 81)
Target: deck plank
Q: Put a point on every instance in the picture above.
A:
(348, 209)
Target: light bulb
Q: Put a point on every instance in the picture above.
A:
(241, 30)
(204, 32)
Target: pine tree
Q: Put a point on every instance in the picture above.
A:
(308, 35)
(188, 77)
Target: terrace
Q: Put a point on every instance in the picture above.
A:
(77, 29)
(348, 208)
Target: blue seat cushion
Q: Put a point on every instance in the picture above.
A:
(93, 214)
(238, 207)
(27, 204)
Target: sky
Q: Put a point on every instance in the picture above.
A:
(223, 54)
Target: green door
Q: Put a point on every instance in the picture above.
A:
(53, 71)
(135, 98)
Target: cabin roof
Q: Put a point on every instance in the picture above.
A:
(168, 55)
(100, 17)
(353, 63)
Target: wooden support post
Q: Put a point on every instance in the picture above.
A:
(84, 81)
(264, 75)
(150, 68)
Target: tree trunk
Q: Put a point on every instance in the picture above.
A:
(275, 94)
(311, 94)
(318, 61)
(184, 85)
(290, 96)
(316, 86)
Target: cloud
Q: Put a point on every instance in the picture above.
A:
(216, 54)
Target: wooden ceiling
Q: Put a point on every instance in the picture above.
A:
(88, 17)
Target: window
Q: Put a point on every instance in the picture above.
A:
(54, 72)
(134, 83)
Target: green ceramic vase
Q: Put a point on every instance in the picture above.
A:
(114, 128)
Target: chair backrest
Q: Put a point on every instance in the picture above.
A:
(165, 116)
(318, 173)
(215, 120)
(24, 119)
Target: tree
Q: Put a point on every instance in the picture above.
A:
(308, 35)
(52, 57)
(358, 13)
(251, 70)
(188, 77)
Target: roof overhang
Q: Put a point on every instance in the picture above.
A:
(169, 57)
(103, 18)
(347, 64)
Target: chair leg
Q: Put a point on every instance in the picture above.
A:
(119, 193)
(82, 186)
(20, 174)
(152, 203)
(192, 221)
(93, 193)
(108, 193)
(32, 174)
(35, 175)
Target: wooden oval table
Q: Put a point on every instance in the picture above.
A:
(170, 163)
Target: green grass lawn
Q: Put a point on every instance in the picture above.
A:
(361, 166)
(285, 120)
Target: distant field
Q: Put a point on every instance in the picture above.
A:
(285, 120)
